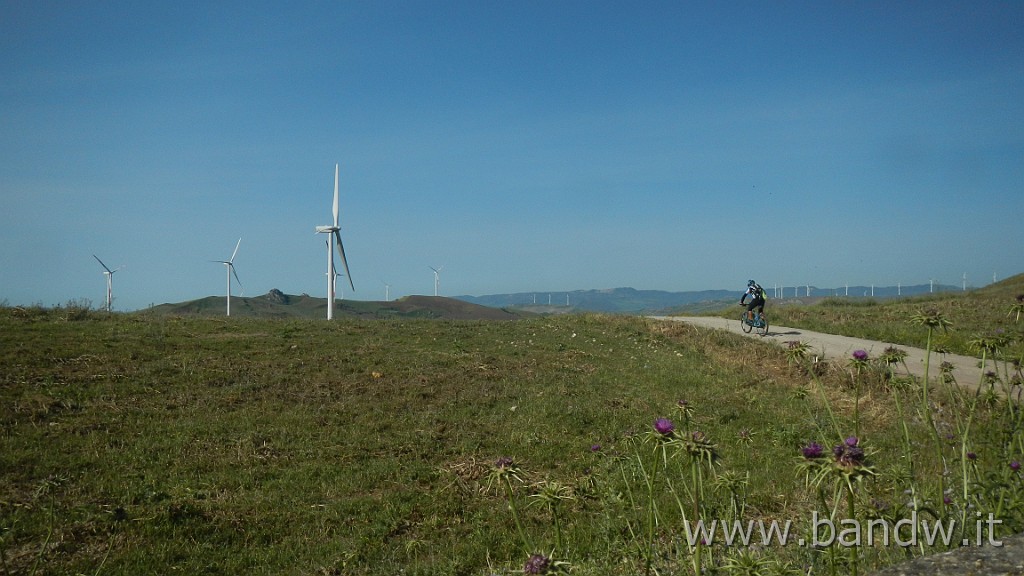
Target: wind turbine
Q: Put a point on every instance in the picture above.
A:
(334, 234)
(387, 291)
(229, 266)
(437, 277)
(110, 280)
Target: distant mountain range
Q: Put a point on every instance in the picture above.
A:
(632, 301)
(276, 304)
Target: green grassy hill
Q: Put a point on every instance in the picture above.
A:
(975, 314)
(193, 444)
(278, 305)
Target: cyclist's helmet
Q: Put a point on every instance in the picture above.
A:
(750, 283)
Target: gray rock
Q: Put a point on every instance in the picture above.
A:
(1005, 560)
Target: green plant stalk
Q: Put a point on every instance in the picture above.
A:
(964, 438)
(559, 545)
(856, 404)
(850, 514)
(931, 420)
(527, 548)
(831, 549)
(698, 493)
(908, 452)
(695, 550)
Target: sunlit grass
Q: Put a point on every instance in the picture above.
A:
(973, 313)
(136, 444)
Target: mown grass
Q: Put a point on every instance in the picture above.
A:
(134, 444)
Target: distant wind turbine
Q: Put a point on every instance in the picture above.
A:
(437, 277)
(229, 266)
(387, 291)
(334, 235)
(110, 280)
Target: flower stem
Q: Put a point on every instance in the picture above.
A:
(527, 548)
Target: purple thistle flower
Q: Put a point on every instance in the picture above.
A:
(664, 426)
(503, 462)
(947, 500)
(537, 564)
(813, 451)
(860, 355)
(849, 454)
(1015, 465)
(595, 447)
(972, 456)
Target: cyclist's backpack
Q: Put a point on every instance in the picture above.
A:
(760, 292)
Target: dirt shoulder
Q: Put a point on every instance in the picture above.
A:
(835, 347)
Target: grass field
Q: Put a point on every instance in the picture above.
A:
(973, 314)
(135, 444)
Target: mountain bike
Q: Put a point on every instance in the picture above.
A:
(759, 322)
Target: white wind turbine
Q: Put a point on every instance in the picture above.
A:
(110, 280)
(229, 266)
(437, 277)
(334, 234)
(387, 291)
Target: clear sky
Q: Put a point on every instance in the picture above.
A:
(524, 146)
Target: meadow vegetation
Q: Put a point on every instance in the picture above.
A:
(586, 444)
(973, 314)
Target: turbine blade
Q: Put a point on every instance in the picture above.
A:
(344, 262)
(236, 250)
(102, 264)
(232, 266)
(335, 195)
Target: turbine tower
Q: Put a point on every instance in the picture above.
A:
(333, 266)
(229, 266)
(437, 277)
(110, 280)
(334, 235)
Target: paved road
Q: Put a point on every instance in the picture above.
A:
(836, 347)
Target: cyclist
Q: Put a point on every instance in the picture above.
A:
(756, 294)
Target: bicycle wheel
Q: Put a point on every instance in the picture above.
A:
(743, 323)
(762, 330)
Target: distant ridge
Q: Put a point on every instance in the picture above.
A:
(633, 301)
(277, 304)
(612, 300)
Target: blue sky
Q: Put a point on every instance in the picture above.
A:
(523, 146)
